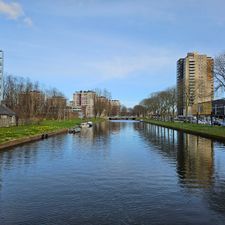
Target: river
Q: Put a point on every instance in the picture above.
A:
(118, 172)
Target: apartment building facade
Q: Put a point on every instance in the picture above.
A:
(115, 107)
(195, 84)
(1, 75)
(30, 103)
(56, 107)
(83, 101)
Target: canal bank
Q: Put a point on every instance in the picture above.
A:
(13, 136)
(215, 132)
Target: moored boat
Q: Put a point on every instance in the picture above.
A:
(84, 125)
(74, 130)
(90, 124)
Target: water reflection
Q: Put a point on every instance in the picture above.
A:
(195, 162)
(192, 154)
(114, 173)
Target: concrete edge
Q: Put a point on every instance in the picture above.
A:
(24, 140)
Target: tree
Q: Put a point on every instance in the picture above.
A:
(30, 101)
(139, 111)
(161, 104)
(101, 102)
(123, 110)
(219, 72)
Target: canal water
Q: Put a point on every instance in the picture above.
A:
(122, 173)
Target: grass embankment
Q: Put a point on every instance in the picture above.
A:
(199, 129)
(8, 134)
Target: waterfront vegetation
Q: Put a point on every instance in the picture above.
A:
(45, 126)
(205, 130)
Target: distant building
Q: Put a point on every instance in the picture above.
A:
(57, 101)
(56, 107)
(215, 108)
(83, 101)
(115, 107)
(194, 84)
(1, 75)
(7, 117)
(219, 107)
(31, 103)
(102, 106)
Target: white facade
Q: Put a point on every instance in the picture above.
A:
(1, 75)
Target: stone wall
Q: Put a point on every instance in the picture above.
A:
(7, 121)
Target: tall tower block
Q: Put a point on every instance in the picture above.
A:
(1, 75)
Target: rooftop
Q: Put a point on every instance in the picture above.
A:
(6, 111)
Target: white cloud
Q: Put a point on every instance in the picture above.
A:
(11, 10)
(14, 11)
(28, 21)
(122, 67)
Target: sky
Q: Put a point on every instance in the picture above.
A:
(129, 47)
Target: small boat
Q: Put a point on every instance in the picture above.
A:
(90, 124)
(77, 130)
(84, 125)
(74, 130)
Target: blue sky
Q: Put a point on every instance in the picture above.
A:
(129, 47)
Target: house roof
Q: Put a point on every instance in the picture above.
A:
(6, 111)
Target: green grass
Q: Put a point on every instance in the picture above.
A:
(14, 133)
(205, 130)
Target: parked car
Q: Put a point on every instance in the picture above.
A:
(208, 122)
(193, 121)
(203, 122)
(219, 123)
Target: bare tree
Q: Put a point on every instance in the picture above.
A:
(102, 102)
(219, 72)
(123, 110)
(30, 102)
(139, 111)
(161, 104)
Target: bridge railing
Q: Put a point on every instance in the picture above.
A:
(122, 117)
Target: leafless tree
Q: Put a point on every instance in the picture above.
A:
(29, 100)
(161, 104)
(139, 111)
(101, 102)
(123, 110)
(219, 72)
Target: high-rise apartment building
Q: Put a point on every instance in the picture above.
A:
(194, 84)
(84, 101)
(1, 75)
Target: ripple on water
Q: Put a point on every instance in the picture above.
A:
(114, 173)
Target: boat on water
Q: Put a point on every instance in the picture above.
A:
(90, 124)
(77, 129)
(85, 125)
(74, 130)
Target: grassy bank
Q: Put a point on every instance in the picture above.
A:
(199, 129)
(14, 133)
